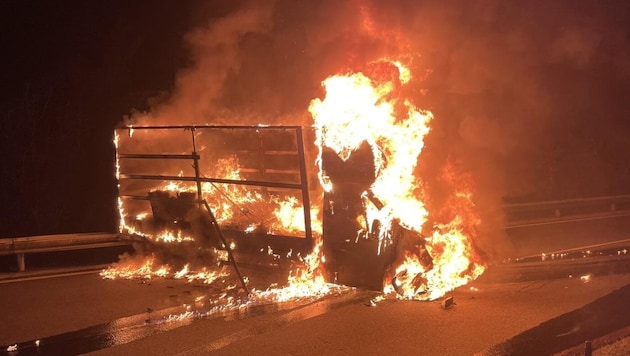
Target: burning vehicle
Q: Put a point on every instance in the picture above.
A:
(342, 196)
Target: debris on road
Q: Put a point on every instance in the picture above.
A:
(448, 302)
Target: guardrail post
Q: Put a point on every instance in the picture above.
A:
(588, 348)
(21, 262)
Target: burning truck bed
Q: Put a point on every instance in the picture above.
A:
(256, 183)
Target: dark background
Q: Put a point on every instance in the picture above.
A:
(532, 97)
(71, 70)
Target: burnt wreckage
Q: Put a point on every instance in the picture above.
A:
(177, 176)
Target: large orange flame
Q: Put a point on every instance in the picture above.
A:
(358, 109)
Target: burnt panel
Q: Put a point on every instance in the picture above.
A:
(171, 208)
(353, 257)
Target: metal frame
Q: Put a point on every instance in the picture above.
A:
(198, 179)
(21, 246)
(566, 211)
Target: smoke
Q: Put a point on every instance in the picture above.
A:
(502, 78)
(216, 57)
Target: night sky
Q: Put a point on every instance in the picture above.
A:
(530, 97)
(71, 70)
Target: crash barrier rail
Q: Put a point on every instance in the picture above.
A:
(22, 246)
(517, 216)
(520, 215)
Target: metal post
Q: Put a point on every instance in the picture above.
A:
(196, 165)
(261, 159)
(213, 220)
(588, 348)
(21, 262)
(304, 183)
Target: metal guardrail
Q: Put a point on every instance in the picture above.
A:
(21, 246)
(518, 216)
(564, 211)
(570, 202)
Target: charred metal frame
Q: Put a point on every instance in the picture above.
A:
(302, 186)
(198, 179)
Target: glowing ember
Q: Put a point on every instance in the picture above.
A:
(183, 272)
(179, 317)
(206, 276)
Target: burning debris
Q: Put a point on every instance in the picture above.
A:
(448, 302)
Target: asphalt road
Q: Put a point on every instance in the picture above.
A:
(509, 304)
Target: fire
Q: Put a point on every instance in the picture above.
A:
(290, 218)
(172, 236)
(309, 280)
(451, 268)
(149, 268)
(305, 281)
(368, 107)
(237, 205)
(358, 109)
(144, 270)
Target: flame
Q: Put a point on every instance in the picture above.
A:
(237, 204)
(290, 217)
(306, 280)
(181, 273)
(358, 109)
(172, 236)
(149, 268)
(144, 270)
(451, 267)
(122, 227)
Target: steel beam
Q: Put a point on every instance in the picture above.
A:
(156, 156)
(211, 180)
